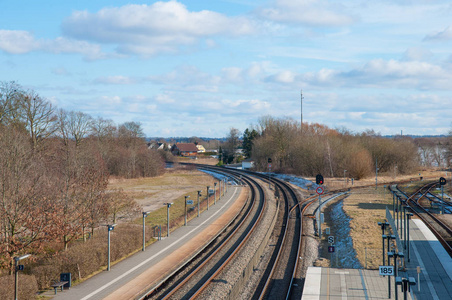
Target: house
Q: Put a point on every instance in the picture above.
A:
(201, 148)
(156, 145)
(247, 164)
(184, 149)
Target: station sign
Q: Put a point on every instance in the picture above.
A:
(331, 239)
(386, 270)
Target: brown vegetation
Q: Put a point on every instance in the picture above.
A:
(54, 170)
(316, 148)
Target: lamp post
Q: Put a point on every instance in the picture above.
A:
(215, 193)
(145, 214)
(185, 219)
(383, 226)
(389, 237)
(110, 228)
(168, 205)
(199, 194)
(376, 173)
(208, 188)
(408, 215)
(17, 268)
(345, 183)
(395, 255)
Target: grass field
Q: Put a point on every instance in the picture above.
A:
(152, 193)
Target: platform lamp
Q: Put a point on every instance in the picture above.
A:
(408, 215)
(17, 268)
(395, 255)
(199, 194)
(215, 193)
(168, 205)
(185, 213)
(145, 214)
(208, 188)
(110, 228)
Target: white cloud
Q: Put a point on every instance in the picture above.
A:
(109, 100)
(164, 98)
(150, 29)
(20, 42)
(122, 80)
(417, 53)
(17, 41)
(382, 73)
(307, 12)
(444, 35)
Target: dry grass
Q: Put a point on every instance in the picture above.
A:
(366, 207)
(333, 183)
(152, 192)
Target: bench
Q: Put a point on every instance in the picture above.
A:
(59, 284)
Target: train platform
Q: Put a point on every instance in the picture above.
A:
(129, 278)
(426, 252)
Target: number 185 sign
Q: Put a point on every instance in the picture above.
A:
(386, 270)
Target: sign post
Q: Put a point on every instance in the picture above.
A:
(319, 191)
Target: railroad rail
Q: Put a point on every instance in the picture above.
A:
(281, 271)
(190, 280)
(441, 230)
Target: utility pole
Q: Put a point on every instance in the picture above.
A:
(376, 173)
(301, 110)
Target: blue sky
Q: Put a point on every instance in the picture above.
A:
(198, 68)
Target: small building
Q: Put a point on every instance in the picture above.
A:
(201, 148)
(184, 149)
(247, 164)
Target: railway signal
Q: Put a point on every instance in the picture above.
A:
(442, 181)
(319, 179)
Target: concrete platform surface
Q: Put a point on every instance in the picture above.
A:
(433, 282)
(128, 278)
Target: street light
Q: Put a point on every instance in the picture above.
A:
(395, 255)
(215, 193)
(145, 214)
(208, 188)
(185, 222)
(199, 194)
(18, 267)
(110, 228)
(168, 205)
(408, 215)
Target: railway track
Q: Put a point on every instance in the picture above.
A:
(277, 282)
(280, 274)
(440, 229)
(189, 281)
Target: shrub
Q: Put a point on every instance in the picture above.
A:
(28, 287)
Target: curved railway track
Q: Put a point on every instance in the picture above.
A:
(278, 279)
(441, 230)
(190, 281)
(281, 277)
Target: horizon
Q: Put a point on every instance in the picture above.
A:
(184, 67)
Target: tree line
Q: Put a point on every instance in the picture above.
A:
(314, 148)
(54, 170)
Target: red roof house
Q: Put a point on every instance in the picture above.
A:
(184, 149)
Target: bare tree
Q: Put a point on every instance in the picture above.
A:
(27, 211)
(39, 117)
(231, 145)
(10, 93)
